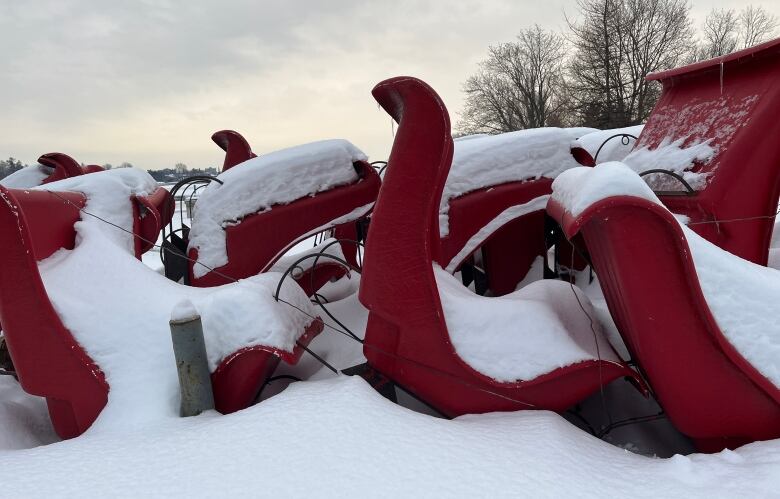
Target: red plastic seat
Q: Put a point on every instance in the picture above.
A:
(60, 166)
(709, 391)
(49, 362)
(150, 213)
(237, 149)
(407, 339)
(509, 248)
(258, 240)
(733, 102)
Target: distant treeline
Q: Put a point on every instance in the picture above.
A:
(165, 175)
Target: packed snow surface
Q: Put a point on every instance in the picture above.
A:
(354, 443)
(614, 149)
(257, 184)
(580, 187)
(580, 131)
(741, 295)
(118, 310)
(496, 159)
(522, 335)
(27, 177)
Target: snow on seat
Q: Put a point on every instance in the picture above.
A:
(719, 113)
(150, 204)
(412, 304)
(86, 323)
(494, 199)
(699, 321)
(263, 206)
(610, 145)
(51, 167)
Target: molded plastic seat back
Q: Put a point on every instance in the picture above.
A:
(48, 360)
(406, 337)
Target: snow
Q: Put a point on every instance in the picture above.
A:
(615, 149)
(499, 221)
(24, 419)
(355, 443)
(108, 195)
(27, 177)
(580, 131)
(496, 159)
(325, 248)
(743, 298)
(257, 184)
(184, 311)
(672, 156)
(578, 188)
(741, 295)
(522, 335)
(118, 310)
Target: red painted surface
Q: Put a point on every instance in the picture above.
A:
(406, 337)
(48, 360)
(258, 240)
(238, 379)
(64, 167)
(150, 213)
(509, 252)
(732, 100)
(237, 149)
(709, 391)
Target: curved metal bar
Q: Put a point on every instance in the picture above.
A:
(186, 183)
(625, 139)
(688, 188)
(382, 168)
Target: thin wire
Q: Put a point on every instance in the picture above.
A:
(595, 340)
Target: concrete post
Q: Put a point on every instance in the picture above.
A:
(189, 349)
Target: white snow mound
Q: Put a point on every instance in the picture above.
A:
(522, 335)
(355, 444)
(118, 310)
(27, 177)
(484, 161)
(615, 149)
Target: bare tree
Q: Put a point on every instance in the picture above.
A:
(518, 86)
(617, 43)
(726, 30)
(756, 25)
(720, 33)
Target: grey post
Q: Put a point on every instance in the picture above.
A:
(189, 349)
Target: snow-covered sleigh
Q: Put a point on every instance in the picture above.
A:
(710, 140)
(51, 167)
(259, 207)
(708, 361)
(53, 360)
(424, 327)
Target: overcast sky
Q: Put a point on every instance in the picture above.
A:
(148, 81)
